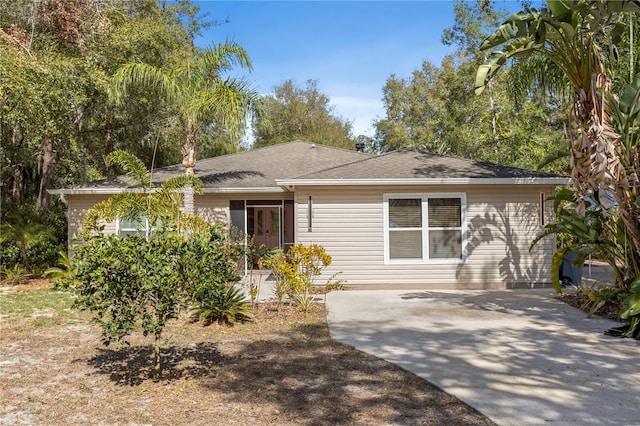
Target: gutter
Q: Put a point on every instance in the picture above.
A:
(112, 191)
(426, 181)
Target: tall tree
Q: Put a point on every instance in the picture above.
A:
(199, 94)
(571, 35)
(432, 109)
(55, 59)
(295, 113)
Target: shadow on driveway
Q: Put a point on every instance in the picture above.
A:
(519, 357)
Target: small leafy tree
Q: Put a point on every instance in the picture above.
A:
(135, 282)
(143, 281)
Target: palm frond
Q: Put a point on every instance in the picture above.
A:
(223, 57)
(132, 166)
(535, 72)
(179, 182)
(229, 102)
(142, 75)
(126, 205)
(193, 224)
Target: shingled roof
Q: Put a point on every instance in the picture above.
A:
(302, 163)
(254, 169)
(415, 166)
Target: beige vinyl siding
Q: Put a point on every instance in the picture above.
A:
(502, 220)
(77, 206)
(214, 208)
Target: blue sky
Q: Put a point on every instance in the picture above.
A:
(350, 48)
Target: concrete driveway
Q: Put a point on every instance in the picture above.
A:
(520, 357)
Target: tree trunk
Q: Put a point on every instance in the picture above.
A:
(17, 138)
(157, 364)
(494, 121)
(48, 160)
(24, 256)
(16, 188)
(189, 203)
(189, 162)
(595, 161)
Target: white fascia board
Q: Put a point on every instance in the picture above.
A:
(112, 191)
(93, 191)
(428, 181)
(261, 189)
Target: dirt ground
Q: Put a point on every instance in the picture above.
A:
(609, 310)
(281, 369)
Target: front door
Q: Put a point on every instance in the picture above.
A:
(264, 225)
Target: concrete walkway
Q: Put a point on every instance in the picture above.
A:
(520, 357)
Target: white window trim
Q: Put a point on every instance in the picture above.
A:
(425, 234)
(146, 228)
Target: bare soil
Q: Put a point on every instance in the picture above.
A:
(283, 368)
(609, 310)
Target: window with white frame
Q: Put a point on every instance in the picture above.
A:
(133, 227)
(424, 227)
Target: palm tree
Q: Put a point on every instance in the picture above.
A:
(198, 93)
(568, 35)
(157, 205)
(23, 229)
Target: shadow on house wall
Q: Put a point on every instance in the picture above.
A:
(499, 240)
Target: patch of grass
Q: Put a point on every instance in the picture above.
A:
(40, 302)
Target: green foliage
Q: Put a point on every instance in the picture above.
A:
(295, 271)
(132, 165)
(431, 109)
(308, 262)
(15, 275)
(161, 207)
(125, 281)
(136, 282)
(277, 262)
(143, 281)
(9, 253)
(334, 283)
(222, 304)
(597, 298)
(196, 92)
(63, 275)
(54, 70)
(630, 313)
(293, 113)
(30, 240)
(597, 233)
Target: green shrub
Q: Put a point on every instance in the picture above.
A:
(597, 298)
(629, 313)
(15, 275)
(295, 272)
(224, 305)
(9, 253)
(63, 275)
